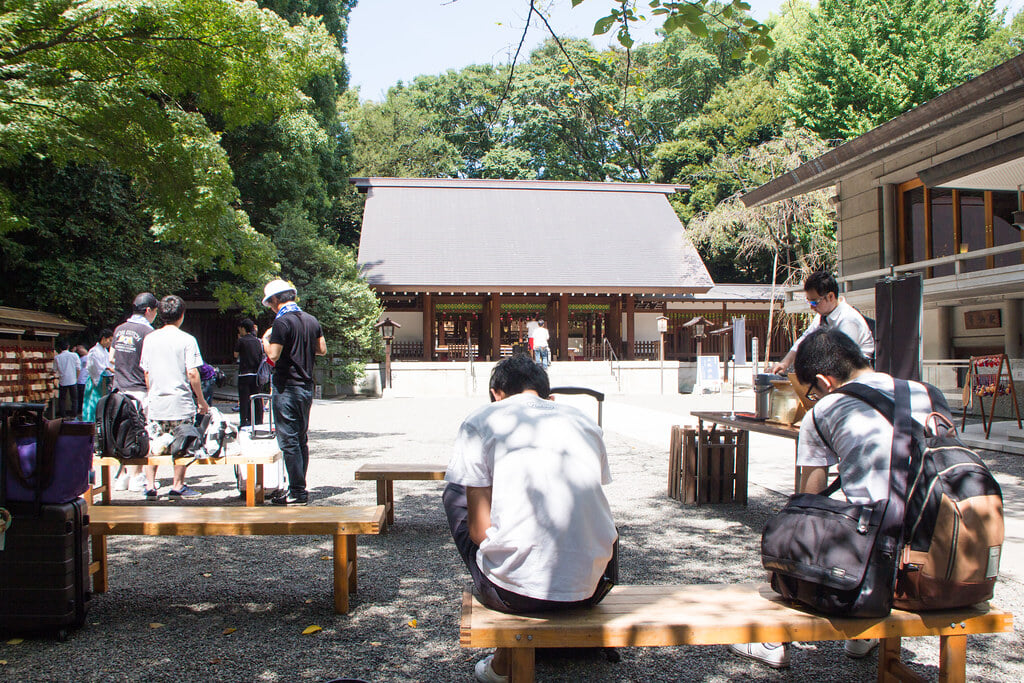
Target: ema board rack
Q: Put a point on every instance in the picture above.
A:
(26, 371)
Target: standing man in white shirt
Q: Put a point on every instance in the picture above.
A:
(171, 360)
(822, 292)
(541, 350)
(66, 365)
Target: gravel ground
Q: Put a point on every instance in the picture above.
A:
(172, 600)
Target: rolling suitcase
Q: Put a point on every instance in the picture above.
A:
(44, 561)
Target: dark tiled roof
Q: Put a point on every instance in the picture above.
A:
(473, 236)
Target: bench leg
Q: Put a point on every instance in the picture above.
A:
(250, 485)
(107, 482)
(890, 667)
(386, 497)
(521, 664)
(344, 571)
(952, 659)
(99, 556)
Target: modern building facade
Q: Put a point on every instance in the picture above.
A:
(934, 191)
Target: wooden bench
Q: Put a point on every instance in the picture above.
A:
(253, 462)
(386, 474)
(344, 523)
(651, 616)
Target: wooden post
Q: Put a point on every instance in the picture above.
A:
(495, 327)
(630, 327)
(428, 327)
(563, 327)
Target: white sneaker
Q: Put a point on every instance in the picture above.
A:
(121, 482)
(485, 674)
(775, 655)
(858, 649)
(137, 483)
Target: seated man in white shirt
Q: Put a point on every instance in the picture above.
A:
(822, 292)
(525, 504)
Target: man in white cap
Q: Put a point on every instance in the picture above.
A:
(291, 344)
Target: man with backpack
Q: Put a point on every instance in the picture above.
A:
(125, 352)
(847, 432)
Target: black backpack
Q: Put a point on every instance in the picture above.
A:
(953, 529)
(120, 427)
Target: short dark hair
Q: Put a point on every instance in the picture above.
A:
(284, 297)
(62, 345)
(827, 351)
(171, 308)
(142, 302)
(518, 373)
(822, 282)
(106, 332)
(248, 325)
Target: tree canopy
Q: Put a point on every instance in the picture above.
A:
(863, 63)
(128, 83)
(154, 144)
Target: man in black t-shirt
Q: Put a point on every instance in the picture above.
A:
(125, 352)
(292, 344)
(249, 352)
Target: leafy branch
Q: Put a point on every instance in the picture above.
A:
(702, 18)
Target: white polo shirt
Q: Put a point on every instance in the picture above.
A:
(860, 437)
(847, 320)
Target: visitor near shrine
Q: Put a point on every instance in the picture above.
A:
(292, 344)
(822, 293)
(532, 540)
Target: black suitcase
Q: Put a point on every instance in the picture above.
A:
(44, 566)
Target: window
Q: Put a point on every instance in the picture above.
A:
(936, 222)
(943, 229)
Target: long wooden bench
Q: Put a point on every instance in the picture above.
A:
(651, 616)
(343, 523)
(387, 474)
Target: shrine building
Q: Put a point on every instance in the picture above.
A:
(464, 265)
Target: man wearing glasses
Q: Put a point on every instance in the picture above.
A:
(822, 292)
(847, 433)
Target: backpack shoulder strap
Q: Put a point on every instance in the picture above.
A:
(873, 397)
(837, 482)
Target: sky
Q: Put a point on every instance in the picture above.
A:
(393, 40)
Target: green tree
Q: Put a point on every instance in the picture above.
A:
(398, 139)
(719, 21)
(291, 172)
(741, 114)
(797, 233)
(131, 84)
(462, 106)
(71, 261)
(864, 62)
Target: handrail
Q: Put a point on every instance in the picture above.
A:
(614, 365)
(956, 259)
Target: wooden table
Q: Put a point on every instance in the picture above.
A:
(751, 425)
(253, 462)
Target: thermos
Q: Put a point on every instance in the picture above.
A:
(763, 394)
